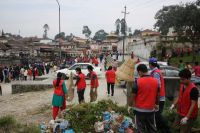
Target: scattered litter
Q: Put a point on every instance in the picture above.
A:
(114, 123)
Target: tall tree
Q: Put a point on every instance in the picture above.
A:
(137, 32)
(61, 36)
(118, 26)
(184, 19)
(86, 31)
(123, 27)
(69, 37)
(46, 28)
(100, 35)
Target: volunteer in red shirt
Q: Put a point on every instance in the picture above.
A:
(110, 78)
(197, 69)
(145, 101)
(81, 85)
(161, 122)
(94, 83)
(187, 103)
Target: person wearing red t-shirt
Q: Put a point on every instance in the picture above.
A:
(81, 85)
(94, 83)
(110, 78)
(196, 69)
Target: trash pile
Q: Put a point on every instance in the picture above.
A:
(105, 116)
(57, 126)
(114, 123)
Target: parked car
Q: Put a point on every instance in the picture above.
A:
(83, 67)
(167, 71)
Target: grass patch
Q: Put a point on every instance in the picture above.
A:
(175, 60)
(8, 124)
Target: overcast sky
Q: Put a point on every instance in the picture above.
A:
(29, 16)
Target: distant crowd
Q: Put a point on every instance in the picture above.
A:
(22, 72)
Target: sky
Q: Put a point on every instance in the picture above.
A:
(27, 17)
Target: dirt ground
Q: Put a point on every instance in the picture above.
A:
(31, 107)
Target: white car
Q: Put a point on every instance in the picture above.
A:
(83, 67)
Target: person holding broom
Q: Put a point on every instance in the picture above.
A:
(94, 83)
(59, 95)
(81, 85)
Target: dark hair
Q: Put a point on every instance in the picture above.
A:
(110, 68)
(78, 69)
(196, 63)
(59, 76)
(185, 73)
(180, 61)
(154, 64)
(90, 67)
(142, 68)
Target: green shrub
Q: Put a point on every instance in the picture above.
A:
(9, 125)
(83, 117)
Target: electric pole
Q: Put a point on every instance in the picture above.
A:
(124, 36)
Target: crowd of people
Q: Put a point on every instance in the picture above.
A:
(148, 99)
(22, 72)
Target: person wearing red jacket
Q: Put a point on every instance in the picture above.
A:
(145, 101)
(187, 103)
(81, 85)
(161, 122)
(110, 78)
(94, 83)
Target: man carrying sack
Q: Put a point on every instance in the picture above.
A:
(93, 84)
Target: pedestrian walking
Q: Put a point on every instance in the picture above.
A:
(29, 74)
(94, 83)
(145, 101)
(81, 85)
(187, 102)
(59, 95)
(25, 74)
(110, 78)
(1, 74)
(6, 75)
(161, 123)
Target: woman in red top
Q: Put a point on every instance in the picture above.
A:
(81, 85)
(110, 78)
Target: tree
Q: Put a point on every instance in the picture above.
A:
(46, 28)
(100, 35)
(137, 32)
(86, 31)
(123, 27)
(69, 38)
(61, 36)
(118, 26)
(184, 19)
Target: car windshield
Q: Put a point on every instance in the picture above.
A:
(74, 67)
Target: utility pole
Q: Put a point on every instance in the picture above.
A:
(59, 30)
(124, 36)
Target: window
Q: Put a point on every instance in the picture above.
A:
(74, 67)
(84, 66)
